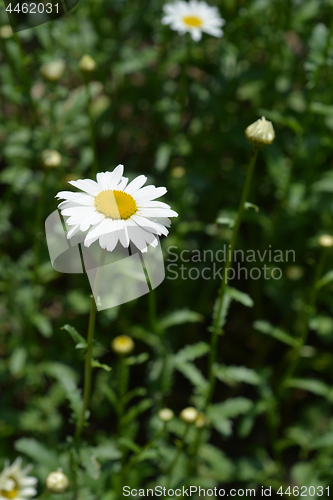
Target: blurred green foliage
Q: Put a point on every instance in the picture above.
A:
(271, 418)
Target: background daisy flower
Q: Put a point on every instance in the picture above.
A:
(112, 210)
(194, 17)
(15, 483)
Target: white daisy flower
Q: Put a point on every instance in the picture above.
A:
(193, 17)
(112, 210)
(15, 482)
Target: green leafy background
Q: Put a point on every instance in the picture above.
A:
(175, 111)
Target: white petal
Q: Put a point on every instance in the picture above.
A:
(79, 198)
(112, 241)
(149, 193)
(153, 204)
(87, 185)
(29, 481)
(157, 212)
(122, 184)
(28, 492)
(136, 184)
(103, 179)
(149, 225)
(196, 34)
(72, 231)
(123, 234)
(104, 227)
(79, 211)
(116, 176)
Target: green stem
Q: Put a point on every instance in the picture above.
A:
(44, 495)
(304, 329)
(176, 458)
(88, 359)
(123, 378)
(38, 224)
(229, 262)
(147, 446)
(152, 310)
(26, 77)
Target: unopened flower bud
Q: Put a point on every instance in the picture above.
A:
(201, 420)
(6, 31)
(294, 272)
(189, 415)
(57, 482)
(122, 344)
(178, 172)
(87, 64)
(166, 414)
(325, 240)
(260, 133)
(53, 71)
(51, 158)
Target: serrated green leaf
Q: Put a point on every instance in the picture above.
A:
(136, 410)
(325, 280)
(192, 373)
(268, 329)
(137, 360)
(180, 317)
(233, 374)
(75, 336)
(248, 206)
(108, 450)
(222, 312)
(226, 221)
(66, 377)
(111, 395)
(191, 352)
(232, 407)
(38, 452)
(311, 385)
(220, 467)
(128, 443)
(89, 462)
(97, 364)
(239, 296)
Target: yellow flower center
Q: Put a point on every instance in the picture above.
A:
(10, 493)
(192, 21)
(115, 204)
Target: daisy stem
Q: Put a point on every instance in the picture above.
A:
(91, 126)
(304, 327)
(228, 265)
(44, 495)
(38, 225)
(90, 339)
(25, 77)
(176, 457)
(183, 84)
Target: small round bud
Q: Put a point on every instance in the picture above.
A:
(178, 172)
(201, 420)
(189, 415)
(51, 158)
(325, 240)
(6, 31)
(166, 414)
(87, 64)
(57, 482)
(53, 71)
(294, 272)
(260, 133)
(122, 344)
